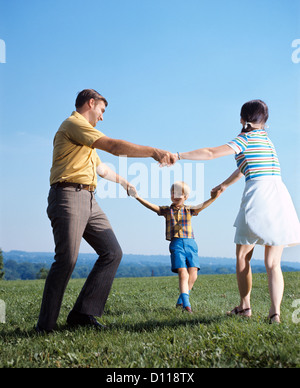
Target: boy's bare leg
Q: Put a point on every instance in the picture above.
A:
(193, 275)
(183, 280)
(184, 289)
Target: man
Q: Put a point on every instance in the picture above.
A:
(74, 212)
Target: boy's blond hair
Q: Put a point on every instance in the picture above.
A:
(180, 188)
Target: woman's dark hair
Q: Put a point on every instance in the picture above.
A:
(85, 95)
(255, 112)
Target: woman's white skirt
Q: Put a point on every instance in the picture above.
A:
(267, 214)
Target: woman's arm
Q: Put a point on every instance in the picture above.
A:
(228, 182)
(207, 153)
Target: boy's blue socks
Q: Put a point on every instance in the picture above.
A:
(185, 300)
(180, 300)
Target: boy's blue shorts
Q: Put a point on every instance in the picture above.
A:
(184, 253)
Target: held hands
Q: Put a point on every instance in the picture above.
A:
(176, 156)
(217, 191)
(164, 158)
(130, 189)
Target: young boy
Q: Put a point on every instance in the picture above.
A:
(183, 248)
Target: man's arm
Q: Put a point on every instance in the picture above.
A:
(124, 148)
(107, 173)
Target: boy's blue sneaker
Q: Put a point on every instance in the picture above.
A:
(179, 302)
(186, 306)
(185, 300)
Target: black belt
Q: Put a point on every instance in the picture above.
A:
(77, 186)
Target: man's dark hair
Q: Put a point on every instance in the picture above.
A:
(86, 94)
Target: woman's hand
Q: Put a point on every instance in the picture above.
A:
(218, 190)
(176, 157)
(164, 158)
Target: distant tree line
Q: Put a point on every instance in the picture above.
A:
(30, 271)
(1, 265)
(13, 270)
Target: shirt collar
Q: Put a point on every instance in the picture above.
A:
(80, 117)
(176, 208)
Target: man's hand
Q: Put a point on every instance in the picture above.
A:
(164, 158)
(130, 189)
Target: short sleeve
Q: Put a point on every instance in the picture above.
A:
(189, 209)
(194, 212)
(98, 160)
(239, 144)
(81, 131)
(163, 210)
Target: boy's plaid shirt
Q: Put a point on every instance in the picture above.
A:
(178, 221)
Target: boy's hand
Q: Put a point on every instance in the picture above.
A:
(131, 191)
(217, 191)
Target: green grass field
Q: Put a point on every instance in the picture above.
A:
(147, 331)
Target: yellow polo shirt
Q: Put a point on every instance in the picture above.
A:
(74, 159)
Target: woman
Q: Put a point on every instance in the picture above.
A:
(267, 215)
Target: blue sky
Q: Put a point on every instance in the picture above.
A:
(175, 74)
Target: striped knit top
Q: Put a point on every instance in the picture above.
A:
(255, 154)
